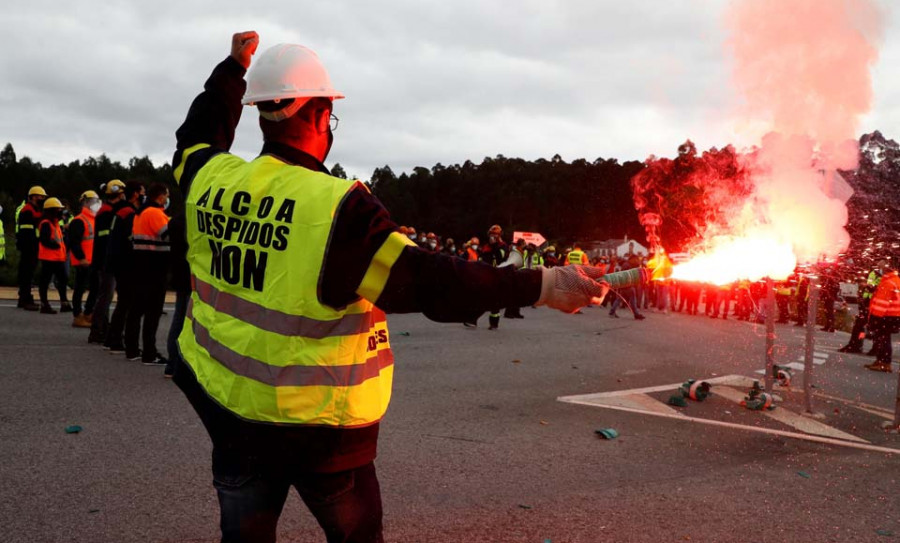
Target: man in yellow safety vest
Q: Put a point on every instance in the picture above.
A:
(286, 350)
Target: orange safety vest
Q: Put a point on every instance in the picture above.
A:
(87, 241)
(149, 230)
(886, 301)
(46, 253)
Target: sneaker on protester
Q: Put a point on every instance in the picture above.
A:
(155, 361)
(136, 355)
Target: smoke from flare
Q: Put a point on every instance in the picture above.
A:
(802, 67)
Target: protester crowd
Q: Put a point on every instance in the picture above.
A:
(122, 244)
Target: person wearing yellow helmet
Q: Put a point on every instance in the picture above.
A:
(286, 347)
(80, 235)
(52, 255)
(28, 217)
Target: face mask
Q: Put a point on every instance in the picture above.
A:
(452, 248)
(551, 253)
(412, 236)
(432, 244)
(493, 239)
(330, 141)
(95, 207)
(143, 199)
(1, 209)
(166, 205)
(474, 247)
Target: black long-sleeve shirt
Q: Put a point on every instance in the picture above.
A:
(75, 235)
(443, 288)
(26, 233)
(102, 224)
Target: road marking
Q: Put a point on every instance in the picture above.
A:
(627, 401)
(785, 416)
(868, 408)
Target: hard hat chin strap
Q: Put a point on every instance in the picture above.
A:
(285, 112)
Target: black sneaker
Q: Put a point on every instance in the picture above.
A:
(115, 349)
(47, 310)
(133, 355)
(169, 372)
(157, 361)
(66, 307)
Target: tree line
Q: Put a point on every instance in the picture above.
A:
(565, 201)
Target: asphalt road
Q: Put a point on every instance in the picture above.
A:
(475, 447)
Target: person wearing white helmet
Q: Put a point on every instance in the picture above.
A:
(80, 235)
(103, 281)
(285, 346)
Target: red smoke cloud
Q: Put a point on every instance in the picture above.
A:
(802, 70)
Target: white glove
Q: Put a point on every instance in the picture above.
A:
(568, 288)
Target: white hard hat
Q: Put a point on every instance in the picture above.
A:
(288, 71)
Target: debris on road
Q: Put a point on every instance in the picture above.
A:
(782, 376)
(677, 400)
(886, 533)
(695, 390)
(523, 506)
(607, 433)
(73, 429)
(757, 400)
(804, 475)
(516, 361)
(403, 334)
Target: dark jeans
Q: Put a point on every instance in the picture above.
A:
(149, 295)
(630, 298)
(100, 319)
(802, 310)
(93, 287)
(882, 327)
(126, 287)
(28, 262)
(346, 504)
(49, 269)
(82, 276)
(181, 302)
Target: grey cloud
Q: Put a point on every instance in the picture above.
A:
(426, 81)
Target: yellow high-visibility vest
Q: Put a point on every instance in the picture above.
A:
(575, 257)
(257, 336)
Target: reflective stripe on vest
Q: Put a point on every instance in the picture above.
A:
(2, 242)
(19, 210)
(575, 257)
(258, 339)
(871, 284)
(46, 253)
(87, 241)
(145, 233)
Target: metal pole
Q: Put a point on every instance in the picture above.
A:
(770, 333)
(811, 314)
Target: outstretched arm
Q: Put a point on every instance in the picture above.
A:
(214, 114)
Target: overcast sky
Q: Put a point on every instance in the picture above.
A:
(426, 81)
